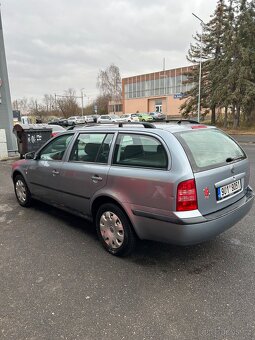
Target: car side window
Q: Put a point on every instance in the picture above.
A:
(140, 151)
(55, 150)
(91, 148)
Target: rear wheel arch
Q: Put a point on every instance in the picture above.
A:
(102, 200)
(107, 199)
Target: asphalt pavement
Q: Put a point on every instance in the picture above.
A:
(57, 282)
(244, 138)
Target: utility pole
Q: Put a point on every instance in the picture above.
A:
(82, 101)
(6, 115)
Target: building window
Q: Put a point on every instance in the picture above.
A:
(115, 108)
(156, 84)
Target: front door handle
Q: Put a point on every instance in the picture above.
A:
(96, 178)
(55, 172)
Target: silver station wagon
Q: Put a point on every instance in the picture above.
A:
(179, 182)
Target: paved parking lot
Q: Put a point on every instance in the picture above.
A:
(57, 282)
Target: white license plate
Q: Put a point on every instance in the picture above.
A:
(228, 189)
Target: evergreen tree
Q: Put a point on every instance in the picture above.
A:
(212, 49)
(246, 40)
(228, 62)
(223, 89)
(239, 62)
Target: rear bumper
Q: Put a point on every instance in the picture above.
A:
(188, 232)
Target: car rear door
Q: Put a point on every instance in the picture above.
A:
(140, 173)
(220, 166)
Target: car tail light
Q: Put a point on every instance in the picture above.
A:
(53, 134)
(186, 196)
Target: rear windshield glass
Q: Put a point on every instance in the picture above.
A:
(209, 148)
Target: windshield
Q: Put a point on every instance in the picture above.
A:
(209, 148)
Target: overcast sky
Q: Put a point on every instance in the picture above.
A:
(55, 45)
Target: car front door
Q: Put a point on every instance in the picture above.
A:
(86, 170)
(43, 173)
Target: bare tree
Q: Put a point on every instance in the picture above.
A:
(109, 82)
(67, 103)
(102, 102)
(21, 105)
(49, 102)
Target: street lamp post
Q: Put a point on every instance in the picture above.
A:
(164, 76)
(82, 101)
(200, 67)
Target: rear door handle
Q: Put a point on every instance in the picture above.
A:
(55, 172)
(96, 178)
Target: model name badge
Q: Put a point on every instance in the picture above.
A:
(229, 189)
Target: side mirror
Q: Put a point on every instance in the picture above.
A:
(30, 155)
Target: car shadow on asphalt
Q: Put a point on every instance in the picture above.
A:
(72, 221)
(196, 259)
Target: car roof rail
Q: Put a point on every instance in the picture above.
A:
(80, 126)
(119, 124)
(145, 124)
(181, 121)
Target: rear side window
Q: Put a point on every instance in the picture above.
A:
(209, 148)
(139, 151)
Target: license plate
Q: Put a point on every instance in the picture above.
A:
(229, 189)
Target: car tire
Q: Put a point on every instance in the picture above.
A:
(22, 192)
(143, 120)
(114, 230)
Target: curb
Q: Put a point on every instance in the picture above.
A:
(9, 159)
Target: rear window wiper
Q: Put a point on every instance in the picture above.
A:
(232, 159)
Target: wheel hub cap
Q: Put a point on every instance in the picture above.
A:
(111, 229)
(21, 191)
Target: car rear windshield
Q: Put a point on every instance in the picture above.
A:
(209, 148)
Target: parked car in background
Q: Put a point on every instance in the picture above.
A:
(158, 116)
(145, 117)
(63, 122)
(76, 120)
(108, 119)
(59, 121)
(176, 183)
(129, 117)
(88, 119)
(95, 117)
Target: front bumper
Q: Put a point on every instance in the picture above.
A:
(191, 231)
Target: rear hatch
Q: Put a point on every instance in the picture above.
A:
(220, 167)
